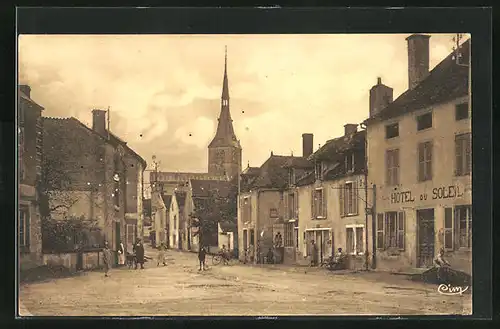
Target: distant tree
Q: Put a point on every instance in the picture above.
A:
(212, 210)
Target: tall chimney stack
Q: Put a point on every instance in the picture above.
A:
(350, 129)
(99, 122)
(380, 96)
(307, 145)
(26, 90)
(418, 59)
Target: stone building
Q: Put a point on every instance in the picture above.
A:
(30, 143)
(263, 203)
(332, 198)
(94, 174)
(419, 158)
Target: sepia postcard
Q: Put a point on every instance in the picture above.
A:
(244, 174)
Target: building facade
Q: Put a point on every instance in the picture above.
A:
(419, 157)
(332, 199)
(30, 144)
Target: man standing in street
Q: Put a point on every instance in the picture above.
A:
(314, 249)
(201, 258)
(139, 253)
(107, 258)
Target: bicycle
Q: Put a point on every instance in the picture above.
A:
(219, 257)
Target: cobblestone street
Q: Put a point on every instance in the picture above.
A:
(179, 289)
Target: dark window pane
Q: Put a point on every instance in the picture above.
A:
(392, 131)
(462, 111)
(448, 220)
(380, 239)
(448, 239)
(424, 121)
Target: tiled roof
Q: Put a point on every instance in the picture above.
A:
(228, 227)
(202, 188)
(446, 82)
(251, 171)
(339, 145)
(274, 172)
(167, 200)
(180, 196)
(298, 162)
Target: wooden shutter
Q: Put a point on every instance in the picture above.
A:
(388, 172)
(341, 200)
(296, 199)
(313, 215)
(428, 158)
(325, 200)
(286, 214)
(395, 167)
(468, 154)
(421, 161)
(458, 156)
(401, 230)
(448, 229)
(355, 197)
(380, 231)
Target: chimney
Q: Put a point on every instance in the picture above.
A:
(307, 145)
(26, 90)
(380, 96)
(350, 128)
(418, 59)
(99, 121)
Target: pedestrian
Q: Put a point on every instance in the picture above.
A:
(442, 267)
(225, 254)
(161, 254)
(270, 256)
(139, 254)
(314, 249)
(121, 254)
(201, 257)
(107, 258)
(251, 253)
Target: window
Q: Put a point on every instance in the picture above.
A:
(392, 131)
(463, 154)
(394, 230)
(24, 227)
(175, 222)
(424, 161)
(296, 233)
(354, 240)
(463, 225)
(448, 229)
(349, 163)
(392, 167)
(318, 203)
(289, 240)
(424, 121)
(247, 208)
(319, 170)
(461, 111)
(348, 195)
(291, 176)
(291, 206)
(380, 231)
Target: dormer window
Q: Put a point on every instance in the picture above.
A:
(392, 131)
(349, 163)
(291, 176)
(319, 170)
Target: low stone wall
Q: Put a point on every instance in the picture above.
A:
(91, 259)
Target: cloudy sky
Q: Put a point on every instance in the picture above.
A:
(164, 90)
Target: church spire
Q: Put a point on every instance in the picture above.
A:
(225, 135)
(225, 84)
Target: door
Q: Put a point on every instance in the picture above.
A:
(117, 239)
(425, 251)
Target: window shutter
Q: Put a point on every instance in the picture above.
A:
(401, 230)
(395, 169)
(468, 154)
(421, 162)
(388, 168)
(325, 198)
(380, 231)
(458, 156)
(448, 229)
(296, 205)
(428, 152)
(286, 213)
(355, 198)
(341, 200)
(312, 203)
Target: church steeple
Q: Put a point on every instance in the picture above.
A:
(224, 152)
(225, 135)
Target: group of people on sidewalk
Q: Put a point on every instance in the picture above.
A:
(135, 259)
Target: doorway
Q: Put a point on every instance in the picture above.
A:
(425, 249)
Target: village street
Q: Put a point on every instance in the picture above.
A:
(180, 290)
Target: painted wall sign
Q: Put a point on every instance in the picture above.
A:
(402, 197)
(446, 192)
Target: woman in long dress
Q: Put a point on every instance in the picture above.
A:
(121, 254)
(161, 255)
